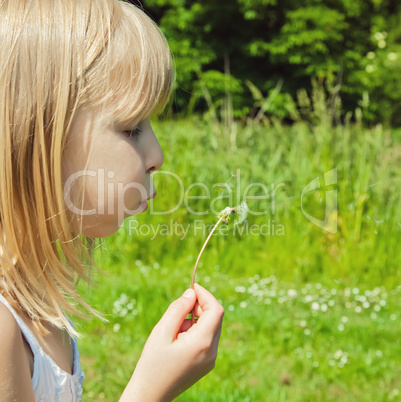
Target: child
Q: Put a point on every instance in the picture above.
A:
(79, 81)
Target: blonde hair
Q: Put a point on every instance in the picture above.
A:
(58, 56)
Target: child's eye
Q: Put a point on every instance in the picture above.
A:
(135, 132)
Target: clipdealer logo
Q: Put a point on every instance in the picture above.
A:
(114, 192)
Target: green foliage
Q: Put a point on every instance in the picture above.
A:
(266, 41)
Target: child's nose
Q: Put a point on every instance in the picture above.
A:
(155, 155)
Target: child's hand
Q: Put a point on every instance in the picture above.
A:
(177, 355)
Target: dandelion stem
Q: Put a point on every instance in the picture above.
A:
(197, 262)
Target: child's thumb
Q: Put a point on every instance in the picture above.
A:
(176, 313)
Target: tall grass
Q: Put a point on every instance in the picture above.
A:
(310, 315)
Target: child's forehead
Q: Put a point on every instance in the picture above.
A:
(119, 116)
(123, 114)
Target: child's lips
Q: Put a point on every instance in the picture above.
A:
(144, 204)
(151, 196)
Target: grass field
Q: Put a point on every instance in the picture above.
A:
(312, 312)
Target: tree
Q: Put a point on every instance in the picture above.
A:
(291, 41)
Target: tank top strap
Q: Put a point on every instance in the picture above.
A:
(26, 332)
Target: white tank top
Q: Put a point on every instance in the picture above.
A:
(50, 383)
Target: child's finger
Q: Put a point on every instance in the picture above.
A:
(212, 312)
(186, 325)
(198, 310)
(173, 318)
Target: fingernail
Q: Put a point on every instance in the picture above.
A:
(189, 293)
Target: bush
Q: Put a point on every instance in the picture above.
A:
(265, 41)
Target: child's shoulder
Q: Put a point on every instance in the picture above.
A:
(14, 363)
(10, 331)
(11, 340)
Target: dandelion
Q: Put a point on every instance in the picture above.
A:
(338, 354)
(240, 289)
(224, 216)
(242, 213)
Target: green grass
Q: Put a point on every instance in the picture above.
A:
(310, 315)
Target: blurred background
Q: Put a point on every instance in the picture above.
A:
(293, 107)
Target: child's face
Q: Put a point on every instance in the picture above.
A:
(112, 168)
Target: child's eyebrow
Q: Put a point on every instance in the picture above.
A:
(128, 121)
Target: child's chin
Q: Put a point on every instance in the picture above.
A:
(100, 230)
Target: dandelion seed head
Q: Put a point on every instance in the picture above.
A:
(225, 214)
(242, 213)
